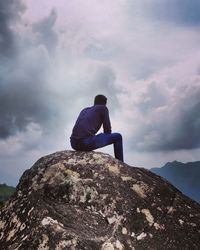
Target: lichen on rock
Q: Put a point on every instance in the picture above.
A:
(89, 200)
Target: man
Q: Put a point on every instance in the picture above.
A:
(89, 121)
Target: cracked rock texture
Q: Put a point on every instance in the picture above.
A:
(89, 200)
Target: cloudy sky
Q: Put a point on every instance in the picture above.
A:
(56, 55)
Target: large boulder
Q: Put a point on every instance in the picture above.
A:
(89, 200)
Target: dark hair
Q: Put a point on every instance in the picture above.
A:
(100, 100)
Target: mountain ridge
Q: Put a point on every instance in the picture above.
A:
(185, 176)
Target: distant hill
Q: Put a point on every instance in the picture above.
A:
(185, 176)
(6, 192)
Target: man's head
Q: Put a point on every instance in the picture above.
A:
(100, 100)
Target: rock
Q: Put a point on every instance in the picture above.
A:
(89, 200)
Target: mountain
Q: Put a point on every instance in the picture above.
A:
(184, 176)
(6, 192)
(89, 200)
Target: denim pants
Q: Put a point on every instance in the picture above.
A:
(99, 141)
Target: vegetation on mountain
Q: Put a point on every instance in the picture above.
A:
(184, 176)
(5, 193)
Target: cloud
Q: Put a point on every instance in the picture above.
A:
(45, 33)
(25, 96)
(9, 12)
(167, 109)
(180, 12)
(18, 143)
(40, 81)
(85, 57)
(177, 12)
(56, 56)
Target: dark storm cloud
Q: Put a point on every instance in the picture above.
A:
(187, 133)
(23, 101)
(182, 12)
(9, 13)
(46, 34)
(171, 118)
(25, 96)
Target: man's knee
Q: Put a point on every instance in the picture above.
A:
(117, 136)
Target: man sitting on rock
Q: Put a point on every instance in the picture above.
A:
(89, 121)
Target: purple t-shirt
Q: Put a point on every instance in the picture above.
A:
(90, 120)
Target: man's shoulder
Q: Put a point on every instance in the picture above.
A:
(85, 109)
(100, 107)
(97, 109)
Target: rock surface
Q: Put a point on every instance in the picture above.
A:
(89, 200)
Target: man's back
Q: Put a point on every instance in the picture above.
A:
(90, 120)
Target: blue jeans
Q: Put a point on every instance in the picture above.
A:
(99, 141)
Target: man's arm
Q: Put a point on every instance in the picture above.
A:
(106, 122)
